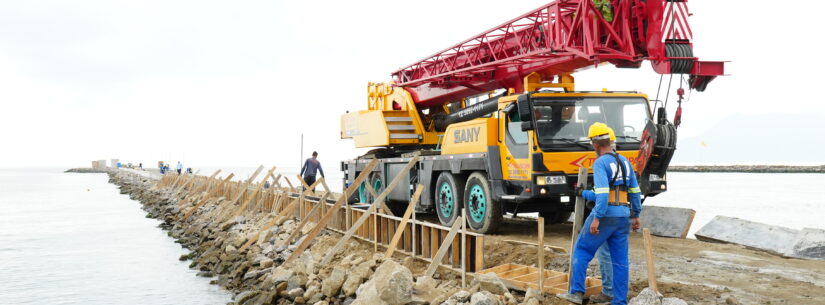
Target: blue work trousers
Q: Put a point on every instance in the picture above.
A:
(606, 267)
(614, 231)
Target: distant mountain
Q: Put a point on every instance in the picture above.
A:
(758, 139)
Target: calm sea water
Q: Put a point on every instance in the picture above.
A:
(74, 239)
(790, 200)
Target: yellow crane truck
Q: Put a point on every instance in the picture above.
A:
(498, 122)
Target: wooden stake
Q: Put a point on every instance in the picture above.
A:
(205, 198)
(255, 193)
(554, 248)
(651, 266)
(541, 254)
(404, 220)
(442, 250)
(578, 218)
(303, 222)
(463, 249)
(395, 181)
(323, 221)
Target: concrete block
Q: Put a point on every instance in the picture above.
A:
(774, 239)
(666, 221)
(809, 243)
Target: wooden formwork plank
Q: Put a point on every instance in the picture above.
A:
(651, 267)
(425, 241)
(323, 222)
(455, 249)
(241, 191)
(303, 222)
(204, 199)
(271, 223)
(291, 188)
(442, 250)
(258, 189)
(479, 253)
(434, 236)
(395, 181)
(578, 215)
(410, 209)
(541, 253)
(198, 189)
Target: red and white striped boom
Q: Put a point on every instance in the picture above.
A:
(561, 37)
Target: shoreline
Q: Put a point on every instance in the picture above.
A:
(775, 169)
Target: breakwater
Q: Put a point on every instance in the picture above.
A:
(817, 169)
(237, 235)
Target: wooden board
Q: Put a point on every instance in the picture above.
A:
(522, 277)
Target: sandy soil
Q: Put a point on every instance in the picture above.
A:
(698, 272)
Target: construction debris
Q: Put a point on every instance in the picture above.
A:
(807, 243)
(667, 221)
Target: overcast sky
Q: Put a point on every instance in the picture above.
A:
(235, 83)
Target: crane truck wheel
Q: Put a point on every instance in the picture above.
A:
(483, 212)
(448, 196)
(377, 182)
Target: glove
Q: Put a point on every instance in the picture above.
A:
(579, 190)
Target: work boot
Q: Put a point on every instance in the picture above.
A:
(575, 298)
(600, 298)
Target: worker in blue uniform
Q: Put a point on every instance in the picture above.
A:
(618, 205)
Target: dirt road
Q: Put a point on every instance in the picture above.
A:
(698, 272)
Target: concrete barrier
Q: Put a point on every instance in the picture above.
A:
(807, 243)
(667, 221)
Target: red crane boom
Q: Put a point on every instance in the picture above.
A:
(561, 37)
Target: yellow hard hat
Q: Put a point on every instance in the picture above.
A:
(600, 131)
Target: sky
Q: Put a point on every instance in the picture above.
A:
(220, 83)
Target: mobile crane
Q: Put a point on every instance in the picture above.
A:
(498, 121)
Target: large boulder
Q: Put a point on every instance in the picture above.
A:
(647, 297)
(809, 243)
(332, 284)
(490, 282)
(391, 284)
(483, 298)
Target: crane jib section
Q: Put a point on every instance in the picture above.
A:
(561, 37)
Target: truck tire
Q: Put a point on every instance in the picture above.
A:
(377, 182)
(483, 212)
(448, 196)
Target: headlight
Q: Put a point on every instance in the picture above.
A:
(546, 180)
(654, 177)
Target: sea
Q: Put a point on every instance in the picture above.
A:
(71, 238)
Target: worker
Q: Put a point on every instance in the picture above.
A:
(311, 166)
(618, 205)
(140, 165)
(179, 167)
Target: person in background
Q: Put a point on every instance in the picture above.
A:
(189, 170)
(311, 166)
(140, 165)
(618, 205)
(179, 168)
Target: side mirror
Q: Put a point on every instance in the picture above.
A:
(525, 109)
(528, 125)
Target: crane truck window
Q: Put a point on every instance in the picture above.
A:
(564, 123)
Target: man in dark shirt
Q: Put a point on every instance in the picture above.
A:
(311, 166)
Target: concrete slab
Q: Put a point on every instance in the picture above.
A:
(667, 221)
(751, 234)
(809, 243)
